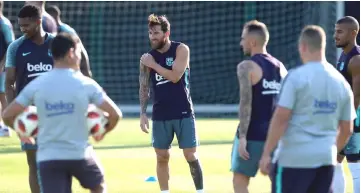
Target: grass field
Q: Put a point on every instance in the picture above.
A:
(128, 160)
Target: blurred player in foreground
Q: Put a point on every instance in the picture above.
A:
(6, 37)
(312, 121)
(27, 58)
(54, 11)
(62, 97)
(346, 31)
(259, 81)
(167, 65)
(48, 23)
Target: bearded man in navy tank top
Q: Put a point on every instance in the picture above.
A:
(260, 82)
(167, 66)
(346, 30)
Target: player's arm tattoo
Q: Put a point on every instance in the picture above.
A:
(10, 84)
(144, 88)
(245, 101)
(354, 68)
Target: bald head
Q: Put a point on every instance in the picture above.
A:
(40, 4)
(350, 22)
(54, 11)
(258, 30)
(314, 37)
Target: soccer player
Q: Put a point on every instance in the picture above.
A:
(54, 11)
(348, 64)
(167, 65)
(62, 97)
(259, 81)
(28, 57)
(48, 23)
(311, 121)
(6, 37)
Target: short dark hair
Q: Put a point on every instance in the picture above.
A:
(349, 20)
(154, 20)
(62, 43)
(258, 28)
(314, 36)
(30, 11)
(53, 9)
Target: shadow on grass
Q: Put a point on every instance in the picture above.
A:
(110, 147)
(16, 149)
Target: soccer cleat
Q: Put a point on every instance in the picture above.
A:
(5, 131)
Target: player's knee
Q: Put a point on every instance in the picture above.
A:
(163, 156)
(190, 154)
(240, 180)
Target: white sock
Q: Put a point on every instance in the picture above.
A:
(338, 184)
(200, 191)
(164, 191)
(355, 171)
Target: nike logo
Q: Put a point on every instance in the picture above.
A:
(27, 53)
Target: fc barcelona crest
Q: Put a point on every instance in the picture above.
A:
(341, 66)
(169, 61)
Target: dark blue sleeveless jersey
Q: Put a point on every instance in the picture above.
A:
(264, 96)
(6, 35)
(342, 64)
(48, 23)
(29, 59)
(170, 100)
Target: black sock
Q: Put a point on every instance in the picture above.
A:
(197, 174)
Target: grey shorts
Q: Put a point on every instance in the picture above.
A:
(185, 130)
(56, 176)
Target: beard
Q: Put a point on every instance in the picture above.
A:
(158, 45)
(342, 45)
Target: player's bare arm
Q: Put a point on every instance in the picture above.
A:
(179, 66)
(114, 113)
(11, 111)
(276, 130)
(9, 114)
(84, 62)
(354, 69)
(144, 90)
(10, 84)
(244, 70)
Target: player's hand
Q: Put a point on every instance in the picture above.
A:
(265, 164)
(28, 140)
(144, 123)
(242, 148)
(98, 137)
(148, 60)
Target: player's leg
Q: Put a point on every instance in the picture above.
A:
(90, 174)
(4, 130)
(353, 159)
(54, 177)
(186, 132)
(339, 180)
(162, 137)
(31, 159)
(323, 180)
(242, 169)
(353, 154)
(292, 180)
